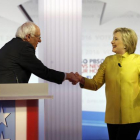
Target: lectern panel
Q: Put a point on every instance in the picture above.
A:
(19, 120)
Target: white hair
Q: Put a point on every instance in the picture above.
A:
(25, 29)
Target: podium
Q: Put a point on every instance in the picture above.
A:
(19, 110)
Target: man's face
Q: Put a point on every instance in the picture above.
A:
(34, 39)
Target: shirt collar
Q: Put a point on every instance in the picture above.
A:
(124, 55)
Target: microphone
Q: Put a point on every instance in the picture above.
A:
(15, 76)
(119, 65)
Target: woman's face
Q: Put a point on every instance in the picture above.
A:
(117, 44)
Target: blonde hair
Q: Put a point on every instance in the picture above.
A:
(129, 38)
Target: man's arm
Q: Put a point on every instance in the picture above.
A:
(30, 62)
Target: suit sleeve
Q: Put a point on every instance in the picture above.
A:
(30, 62)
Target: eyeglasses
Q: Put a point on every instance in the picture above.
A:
(39, 37)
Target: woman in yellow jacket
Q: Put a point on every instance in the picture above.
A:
(121, 75)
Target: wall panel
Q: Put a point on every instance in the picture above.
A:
(60, 22)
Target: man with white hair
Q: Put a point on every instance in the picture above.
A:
(18, 60)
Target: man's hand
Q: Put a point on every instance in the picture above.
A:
(72, 78)
(78, 76)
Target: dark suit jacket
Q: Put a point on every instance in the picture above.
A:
(18, 60)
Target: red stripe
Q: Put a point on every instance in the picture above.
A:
(32, 119)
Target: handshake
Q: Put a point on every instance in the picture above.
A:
(74, 78)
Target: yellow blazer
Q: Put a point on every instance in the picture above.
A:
(121, 75)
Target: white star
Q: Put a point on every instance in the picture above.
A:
(9, 9)
(1, 138)
(116, 8)
(3, 117)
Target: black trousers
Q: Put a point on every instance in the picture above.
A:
(123, 131)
